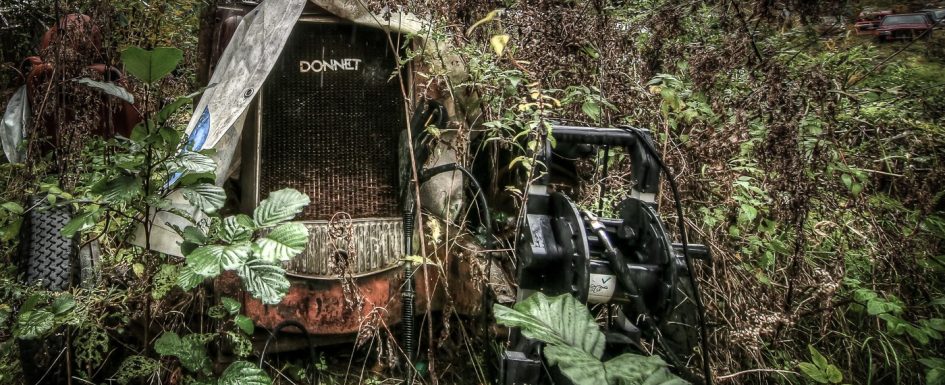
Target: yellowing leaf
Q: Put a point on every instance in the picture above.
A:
(489, 17)
(498, 43)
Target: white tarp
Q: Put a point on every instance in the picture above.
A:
(13, 129)
(217, 123)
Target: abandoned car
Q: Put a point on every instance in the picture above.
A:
(314, 96)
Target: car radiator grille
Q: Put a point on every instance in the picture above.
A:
(331, 114)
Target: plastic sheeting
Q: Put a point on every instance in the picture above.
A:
(241, 71)
(15, 120)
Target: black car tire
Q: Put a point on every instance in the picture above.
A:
(51, 259)
(47, 256)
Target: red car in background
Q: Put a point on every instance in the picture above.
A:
(906, 26)
(869, 20)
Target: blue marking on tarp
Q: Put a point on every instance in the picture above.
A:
(199, 135)
(197, 138)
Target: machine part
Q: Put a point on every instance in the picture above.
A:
(652, 297)
(479, 194)
(644, 169)
(519, 369)
(681, 224)
(407, 296)
(279, 329)
(554, 255)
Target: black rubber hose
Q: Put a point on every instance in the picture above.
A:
(480, 195)
(278, 330)
(707, 372)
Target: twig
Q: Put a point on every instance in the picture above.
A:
(761, 370)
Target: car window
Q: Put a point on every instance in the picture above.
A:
(940, 14)
(904, 19)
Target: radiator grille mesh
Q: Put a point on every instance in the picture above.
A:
(333, 133)
(376, 244)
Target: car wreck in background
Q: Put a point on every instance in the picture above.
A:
(908, 26)
(868, 21)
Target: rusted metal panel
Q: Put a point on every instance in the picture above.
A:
(320, 304)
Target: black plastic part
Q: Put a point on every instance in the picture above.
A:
(519, 369)
(553, 252)
(645, 171)
(697, 251)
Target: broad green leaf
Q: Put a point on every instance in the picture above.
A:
(935, 377)
(237, 228)
(264, 280)
(195, 235)
(231, 305)
(918, 334)
(63, 304)
(109, 88)
(280, 206)
(244, 323)
(120, 189)
(591, 109)
(206, 260)
(933, 362)
(151, 66)
(164, 280)
(136, 367)
(937, 324)
(171, 108)
(628, 368)
(242, 345)
(747, 213)
(244, 373)
(216, 312)
(577, 365)
(813, 372)
(206, 197)
(168, 344)
(817, 358)
(13, 207)
(32, 324)
(283, 243)
(856, 188)
(188, 279)
(561, 320)
(84, 221)
(189, 162)
(833, 374)
(11, 230)
(189, 350)
(847, 180)
(210, 260)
